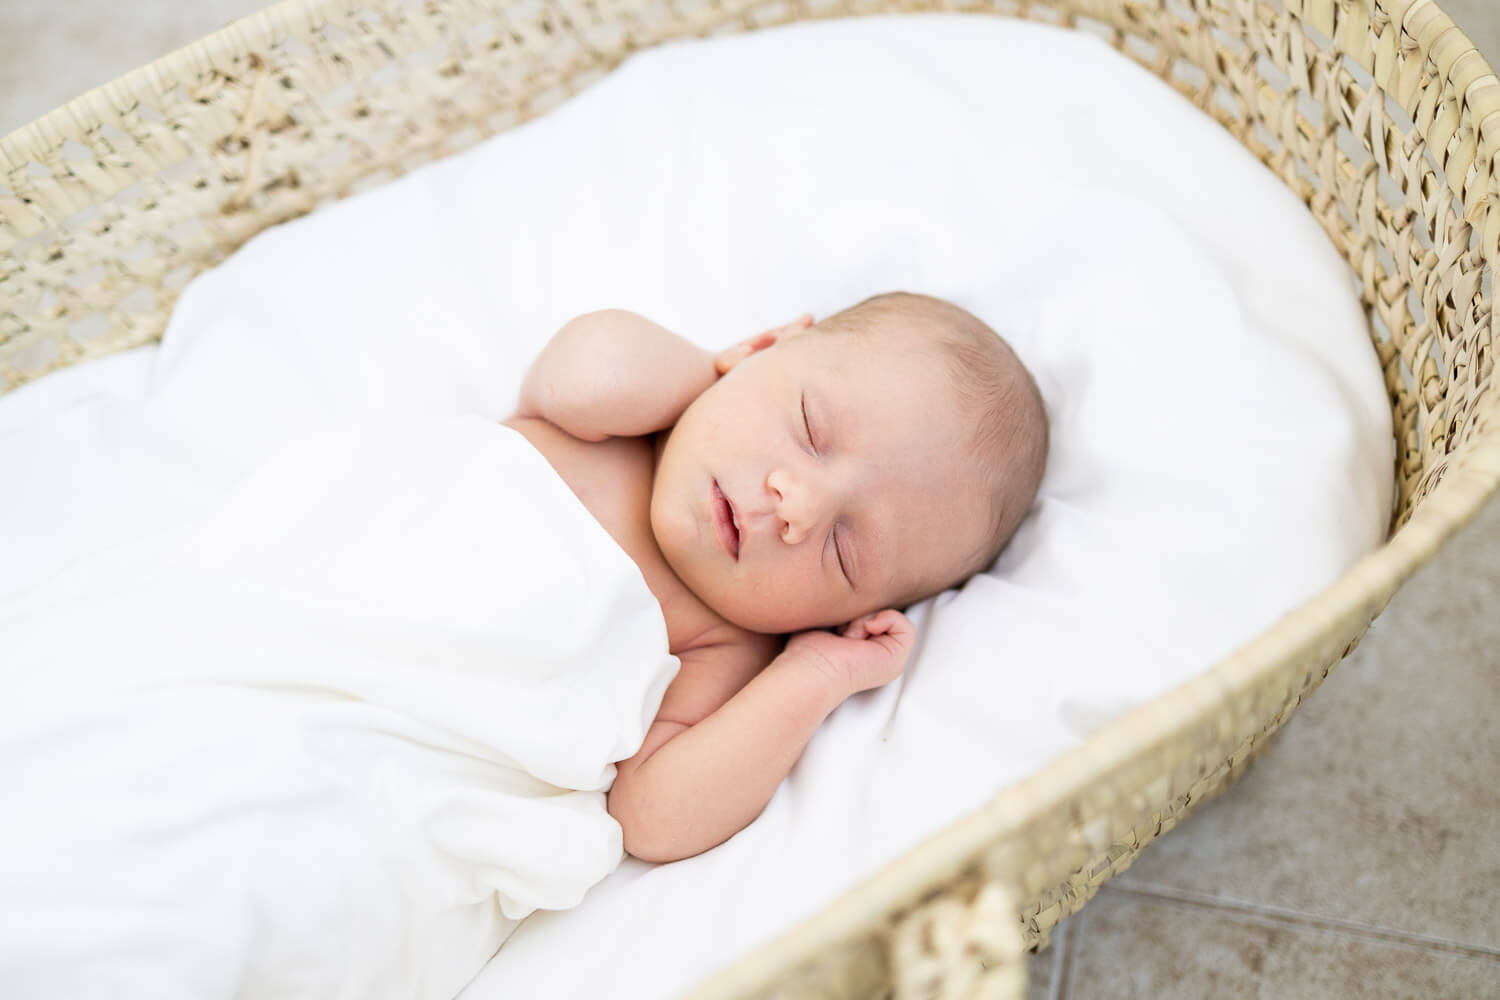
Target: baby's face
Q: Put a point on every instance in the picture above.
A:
(843, 465)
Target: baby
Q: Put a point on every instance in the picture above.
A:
(814, 476)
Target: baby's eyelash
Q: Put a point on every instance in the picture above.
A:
(807, 424)
(840, 553)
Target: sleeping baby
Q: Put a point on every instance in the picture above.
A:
(782, 499)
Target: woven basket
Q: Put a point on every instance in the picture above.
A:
(1379, 114)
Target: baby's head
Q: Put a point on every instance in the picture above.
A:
(872, 460)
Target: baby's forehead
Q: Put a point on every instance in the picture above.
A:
(896, 330)
(907, 348)
(877, 371)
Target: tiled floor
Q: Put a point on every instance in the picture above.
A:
(1359, 858)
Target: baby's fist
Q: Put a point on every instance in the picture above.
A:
(870, 651)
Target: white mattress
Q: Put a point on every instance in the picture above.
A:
(1221, 440)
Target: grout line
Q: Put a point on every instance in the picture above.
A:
(1055, 988)
(1065, 961)
(1276, 915)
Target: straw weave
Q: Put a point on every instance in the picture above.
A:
(1379, 114)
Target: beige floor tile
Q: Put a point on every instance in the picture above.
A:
(1039, 975)
(52, 52)
(1042, 968)
(1379, 802)
(1480, 20)
(1127, 948)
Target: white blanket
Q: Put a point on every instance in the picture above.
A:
(1221, 441)
(332, 741)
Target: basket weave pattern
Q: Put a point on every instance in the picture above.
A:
(1379, 114)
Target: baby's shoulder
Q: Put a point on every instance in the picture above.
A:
(613, 479)
(626, 459)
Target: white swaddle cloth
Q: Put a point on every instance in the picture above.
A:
(333, 741)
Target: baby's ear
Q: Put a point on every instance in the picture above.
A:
(731, 356)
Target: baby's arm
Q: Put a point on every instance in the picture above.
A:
(728, 732)
(613, 373)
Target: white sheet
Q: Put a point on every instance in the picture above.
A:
(332, 741)
(1221, 440)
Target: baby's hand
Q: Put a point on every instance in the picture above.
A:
(870, 651)
(731, 356)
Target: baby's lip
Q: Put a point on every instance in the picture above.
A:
(725, 522)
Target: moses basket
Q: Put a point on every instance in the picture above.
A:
(1380, 114)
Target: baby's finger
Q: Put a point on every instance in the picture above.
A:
(729, 357)
(859, 628)
(893, 629)
(777, 332)
(901, 629)
(733, 355)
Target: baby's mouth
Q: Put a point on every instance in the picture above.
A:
(726, 522)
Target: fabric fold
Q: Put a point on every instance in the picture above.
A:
(381, 686)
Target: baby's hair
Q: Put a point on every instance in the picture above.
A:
(1010, 440)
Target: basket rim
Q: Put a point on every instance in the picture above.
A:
(105, 103)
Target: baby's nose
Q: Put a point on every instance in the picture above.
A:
(797, 506)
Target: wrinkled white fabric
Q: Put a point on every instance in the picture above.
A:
(333, 740)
